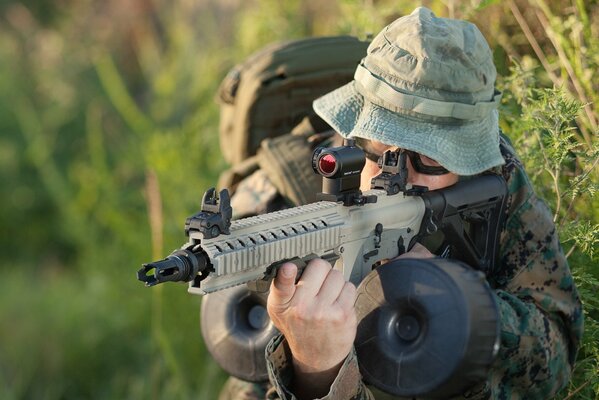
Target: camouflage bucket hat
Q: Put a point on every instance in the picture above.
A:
(426, 85)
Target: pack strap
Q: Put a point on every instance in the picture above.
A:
(287, 160)
(375, 90)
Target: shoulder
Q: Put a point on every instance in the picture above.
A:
(520, 188)
(529, 236)
(522, 199)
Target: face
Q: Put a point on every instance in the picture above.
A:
(371, 169)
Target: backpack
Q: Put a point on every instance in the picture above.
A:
(263, 99)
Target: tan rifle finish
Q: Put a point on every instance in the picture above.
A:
(324, 229)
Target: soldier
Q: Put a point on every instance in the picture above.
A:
(427, 85)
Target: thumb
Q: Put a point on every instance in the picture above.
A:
(283, 286)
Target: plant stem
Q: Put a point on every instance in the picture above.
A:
(572, 75)
(154, 202)
(569, 253)
(554, 175)
(558, 205)
(533, 42)
(578, 389)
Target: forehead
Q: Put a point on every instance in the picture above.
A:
(381, 144)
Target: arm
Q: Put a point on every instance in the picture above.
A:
(540, 309)
(347, 384)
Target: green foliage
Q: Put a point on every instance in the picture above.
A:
(585, 380)
(109, 137)
(542, 121)
(93, 129)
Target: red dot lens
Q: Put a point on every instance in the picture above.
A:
(327, 164)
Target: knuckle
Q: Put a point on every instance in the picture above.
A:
(335, 274)
(351, 289)
(302, 312)
(320, 316)
(348, 313)
(338, 318)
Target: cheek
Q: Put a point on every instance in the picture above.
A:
(434, 181)
(371, 169)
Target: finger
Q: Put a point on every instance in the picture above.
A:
(282, 288)
(331, 287)
(417, 251)
(313, 276)
(347, 296)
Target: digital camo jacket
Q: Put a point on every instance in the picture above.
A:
(540, 312)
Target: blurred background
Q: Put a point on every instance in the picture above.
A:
(109, 137)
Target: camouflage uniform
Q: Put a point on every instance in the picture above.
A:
(541, 313)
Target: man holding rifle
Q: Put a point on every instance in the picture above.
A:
(426, 86)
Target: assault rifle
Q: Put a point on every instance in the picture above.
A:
(357, 230)
(435, 321)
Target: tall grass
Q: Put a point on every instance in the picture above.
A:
(109, 138)
(100, 133)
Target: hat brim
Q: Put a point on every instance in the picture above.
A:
(468, 148)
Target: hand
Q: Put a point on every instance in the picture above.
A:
(417, 251)
(317, 318)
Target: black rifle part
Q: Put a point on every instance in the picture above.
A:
(470, 230)
(214, 217)
(182, 265)
(236, 329)
(427, 328)
(340, 168)
(394, 174)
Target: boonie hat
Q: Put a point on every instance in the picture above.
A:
(426, 85)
